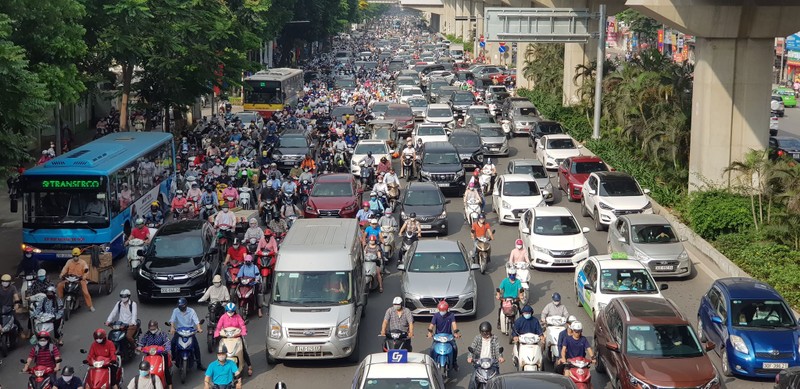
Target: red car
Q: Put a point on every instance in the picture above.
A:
(403, 116)
(333, 195)
(574, 171)
(507, 75)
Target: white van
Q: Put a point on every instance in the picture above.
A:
(318, 295)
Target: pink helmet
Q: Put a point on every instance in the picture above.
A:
(518, 242)
(365, 204)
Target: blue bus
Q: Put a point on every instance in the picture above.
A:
(93, 194)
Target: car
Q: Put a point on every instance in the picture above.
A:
(521, 114)
(341, 110)
(486, 71)
(293, 145)
(601, 278)
(776, 106)
(418, 107)
(403, 116)
(347, 83)
(460, 100)
(493, 139)
(553, 238)
(469, 147)
(333, 195)
(574, 171)
(180, 261)
(379, 150)
(438, 270)
(416, 370)
(651, 240)
(429, 132)
(536, 170)
(513, 194)
(473, 121)
(406, 92)
(530, 379)
(445, 93)
(646, 342)
(752, 326)
(493, 90)
(551, 150)
(385, 130)
(379, 109)
(789, 98)
(608, 195)
(476, 110)
(788, 378)
(440, 114)
(543, 127)
(441, 164)
(784, 146)
(427, 201)
(247, 117)
(434, 90)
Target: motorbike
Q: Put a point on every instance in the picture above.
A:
(72, 294)
(371, 271)
(207, 211)
(29, 279)
(506, 126)
(396, 340)
(579, 372)
(214, 312)
(305, 192)
(408, 166)
(484, 252)
(268, 210)
(486, 182)
(41, 377)
(245, 295)
(393, 193)
(9, 332)
(524, 276)
(367, 176)
(180, 213)
(555, 326)
(252, 246)
(265, 263)
(529, 353)
(509, 315)
(387, 235)
(230, 201)
(409, 237)
(231, 339)
(443, 349)
(485, 369)
(99, 374)
(44, 322)
(185, 349)
(157, 357)
(134, 259)
(244, 197)
(472, 209)
(117, 335)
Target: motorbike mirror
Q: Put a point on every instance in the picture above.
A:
(497, 290)
(663, 287)
(213, 251)
(447, 201)
(14, 206)
(585, 230)
(622, 239)
(500, 350)
(552, 175)
(85, 361)
(612, 346)
(82, 351)
(168, 324)
(202, 321)
(21, 361)
(526, 230)
(470, 349)
(401, 267)
(474, 266)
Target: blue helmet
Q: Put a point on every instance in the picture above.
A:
(230, 307)
(182, 302)
(556, 297)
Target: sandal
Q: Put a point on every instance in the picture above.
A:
(380, 290)
(249, 371)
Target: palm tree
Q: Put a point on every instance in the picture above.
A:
(751, 180)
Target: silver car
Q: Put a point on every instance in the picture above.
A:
(436, 270)
(493, 139)
(534, 168)
(651, 240)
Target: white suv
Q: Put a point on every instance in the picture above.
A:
(607, 195)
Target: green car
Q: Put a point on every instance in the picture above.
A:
(789, 100)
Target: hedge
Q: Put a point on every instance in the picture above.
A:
(716, 212)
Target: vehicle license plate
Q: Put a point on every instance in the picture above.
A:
(795, 155)
(768, 365)
(65, 255)
(425, 226)
(170, 290)
(494, 149)
(665, 268)
(308, 349)
(564, 260)
(443, 183)
(434, 310)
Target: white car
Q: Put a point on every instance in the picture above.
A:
(440, 114)
(552, 149)
(379, 150)
(553, 238)
(417, 370)
(604, 277)
(514, 194)
(429, 132)
(606, 195)
(406, 92)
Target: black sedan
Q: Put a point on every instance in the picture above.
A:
(784, 147)
(427, 201)
(179, 262)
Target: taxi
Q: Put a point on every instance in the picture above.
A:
(398, 369)
(604, 277)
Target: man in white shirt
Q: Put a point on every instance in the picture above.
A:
(126, 311)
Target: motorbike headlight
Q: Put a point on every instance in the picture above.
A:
(275, 329)
(635, 381)
(605, 206)
(442, 216)
(506, 205)
(403, 215)
(343, 328)
(739, 344)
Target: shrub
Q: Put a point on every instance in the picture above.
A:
(716, 212)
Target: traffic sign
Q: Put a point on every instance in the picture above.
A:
(502, 43)
(481, 38)
(502, 49)
(397, 356)
(482, 43)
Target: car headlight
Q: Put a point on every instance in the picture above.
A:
(460, 174)
(647, 206)
(683, 256)
(639, 255)
(605, 206)
(442, 216)
(343, 328)
(506, 205)
(540, 249)
(196, 273)
(714, 383)
(403, 215)
(274, 329)
(601, 306)
(549, 187)
(739, 345)
(582, 248)
(145, 274)
(425, 174)
(635, 381)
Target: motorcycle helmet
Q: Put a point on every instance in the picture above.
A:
(50, 290)
(223, 349)
(267, 232)
(512, 271)
(527, 309)
(373, 221)
(125, 293)
(576, 326)
(471, 185)
(387, 212)
(412, 215)
(99, 334)
(41, 272)
(571, 319)
(217, 279)
(482, 216)
(518, 243)
(236, 241)
(372, 239)
(139, 222)
(485, 327)
(28, 251)
(253, 222)
(248, 258)
(182, 302)
(383, 159)
(230, 307)
(476, 172)
(365, 204)
(443, 306)
(280, 385)
(369, 153)
(144, 366)
(76, 252)
(179, 192)
(68, 371)
(152, 324)
(556, 297)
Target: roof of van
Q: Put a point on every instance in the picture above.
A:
(310, 242)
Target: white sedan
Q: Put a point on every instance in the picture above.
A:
(514, 194)
(553, 237)
(377, 147)
(552, 149)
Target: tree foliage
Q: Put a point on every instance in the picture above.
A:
(645, 28)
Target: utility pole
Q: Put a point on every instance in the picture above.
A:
(598, 87)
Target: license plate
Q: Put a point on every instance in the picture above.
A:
(795, 155)
(308, 349)
(768, 365)
(64, 255)
(563, 260)
(434, 310)
(425, 226)
(665, 268)
(494, 149)
(170, 290)
(443, 183)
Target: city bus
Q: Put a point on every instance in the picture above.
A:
(269, 90)
(93, 194)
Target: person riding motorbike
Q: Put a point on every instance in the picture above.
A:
(40, 284)
(76, 267)
(54, 306)
(480, 229)
(527, 324)
(225, 221)
(308, 162)
(364, 214)
(289, 187)
(140, 231)
(222, 373)
(232, 319)
(490, 170)
(155, 337)
(216, 293)
(267, 242)
(518, 254)
(155, 216)
(306, 175)
(43, 353)
(372, 248)
(350, 138)
(28, 264)
(383, 166)
(381, 190)
(184, 316)
(472, 194)
(296, 170)
(101, 347)
(235, 254)
(194, 193)
(554, 308)
(373, 229)
(289, 209)
(230, 193)
(399, 318)
(375, 204)
(278, 225)
(253, 230)
(510, 288)
(411, 224)
(575, 346)
(390, 178)
(68, 379)
(485, 345)
(126, 311)
(250, 270)
(444, 322)
(145, 380)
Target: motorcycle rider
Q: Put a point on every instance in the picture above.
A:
(278, 225)
(398, 317)
(575, 346)
(155, 216)
(375, 204)
(554, 308)
(155, 337)
(144, 380)
(510, 288)
(141, 231)
(289, 187)
(268, 243)
(480, 229)
(472, 194)
(518, 254)
(184, 316)
(179, 202)
(289, 209)
(409, 150)
(68, 379)
(390, 178)
(232, 319)
(54, 306)
(306, 175)
(76, 267)
(308, 162)
(490, 170)
(485, 345)
(230, 192)
(383, 166)
(564, 334)
(526, 324)
(44, 353)
(250, 270)
(253, 231)
(373, 248)
(225, 222)
(126, 311)
(296, 170)
(222, 373)
(364, 214)
(28, 265)
(235, 255)
(444, 322)
(40, 284)
(101, 347)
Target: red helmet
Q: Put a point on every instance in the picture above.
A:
(477, 172)
(372, 238)
(99, 334)
(43, 335)
(443, 306)
(267, 232)
(365, 204)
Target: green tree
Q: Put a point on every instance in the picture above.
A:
(544, 66)
(645, 28)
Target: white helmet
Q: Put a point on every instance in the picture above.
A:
(512, 270)
(576, 326)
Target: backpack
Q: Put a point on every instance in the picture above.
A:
(50, 349)
(152, 381)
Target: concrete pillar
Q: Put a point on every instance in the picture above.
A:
(460, 11)
(732, 77)
(522, 82)
(576, 54)
(478, 12)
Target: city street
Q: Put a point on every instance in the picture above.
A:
(790, 123)
(337, 374)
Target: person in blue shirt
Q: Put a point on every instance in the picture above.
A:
(568, 332)
(223, 372)
(510, 288)
(526, 324)
(373, 229)
(375, 204)
(351, 139)
(250, 270)
(575, 346)
(444, 322)
(183, 316)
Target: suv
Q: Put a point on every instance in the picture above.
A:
(460, 101)
(426, 200)
(646, 342)
(292, 146)
(607, 195)
(441, 164)
(541, 128)
(469, 146)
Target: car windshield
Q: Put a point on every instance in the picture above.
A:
(480, 119)
(406, 81)
(588, 167)
(65, 209)
(478, 111)
(380, 108)
(462, 98)
(374, 148)
(397, 383)
(177, 245)
(520, 188)
(439, 113)
(789, 143)
(416, 103)
(550, 128)
(626, 281)
(313, 288)
(785, 92)
(619, 188)
(560, 144)
(436, 86)
(430, 130)
(662, 341)
(410, 92)
(653, 233)
(465, 140)
(492, 132)
(537, 171)
(440, 159)
(332, 189)
(555, 225)
(383, 132)
(761, 313)
(437, 263)
(423, 197)
(398, 111)
(527, 111)
(293, 142)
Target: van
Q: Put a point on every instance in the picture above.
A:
(318, 295)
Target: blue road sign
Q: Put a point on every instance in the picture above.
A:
(502, 49)
(482, 44)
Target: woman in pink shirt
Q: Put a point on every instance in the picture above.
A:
(518, 254)
(232, 319)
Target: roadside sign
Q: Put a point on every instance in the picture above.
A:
(502, 49)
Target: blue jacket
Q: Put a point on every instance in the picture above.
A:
(526, 326)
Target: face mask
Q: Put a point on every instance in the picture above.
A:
(556, 303)
(75, 259)
(221, 358)
(519, 247)
(99, 341)
(512, 277)
(486, 335)
(67, 378)
(230, 314)
(183, 309)
(442, 313)
(217, 283)
(42, 278)
(125, 299)
(42, 343)
(153, 331)
(397, 307)
(144, 373)
(6, 284)
(527, 315)
(225, 210)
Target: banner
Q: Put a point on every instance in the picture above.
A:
(661, 40)
(793, 42)
(793, 58)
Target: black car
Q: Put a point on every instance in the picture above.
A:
(788, 378)
(445, 93)
(460, 101)
(427, 201)
(179, 262)
(292, 147)
(469, 147)
(529, 379)
(441, 165)
(543, 127)
(784, 146)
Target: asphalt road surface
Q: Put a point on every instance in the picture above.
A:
(337, 374)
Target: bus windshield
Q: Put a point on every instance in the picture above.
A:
(65, 200)
(264, 92)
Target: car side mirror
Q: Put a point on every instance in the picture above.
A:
(622, 239)
(473, 266)
(495, 192)
(716, 319)
(585, 230)
(612, 346)
(526, 230)
(552, 175)
(663, 287)
(646, 191)
(545, 193)
(710, 346)
(213, 251)
(588, 287)
(447, 201)
(684, 239)
(470, 349)
(592, 192)
(401, 267)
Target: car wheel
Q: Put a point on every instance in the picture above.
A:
(584, 211)
(726, 366)
(597, 225)
(578, 296)
(700, 333)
